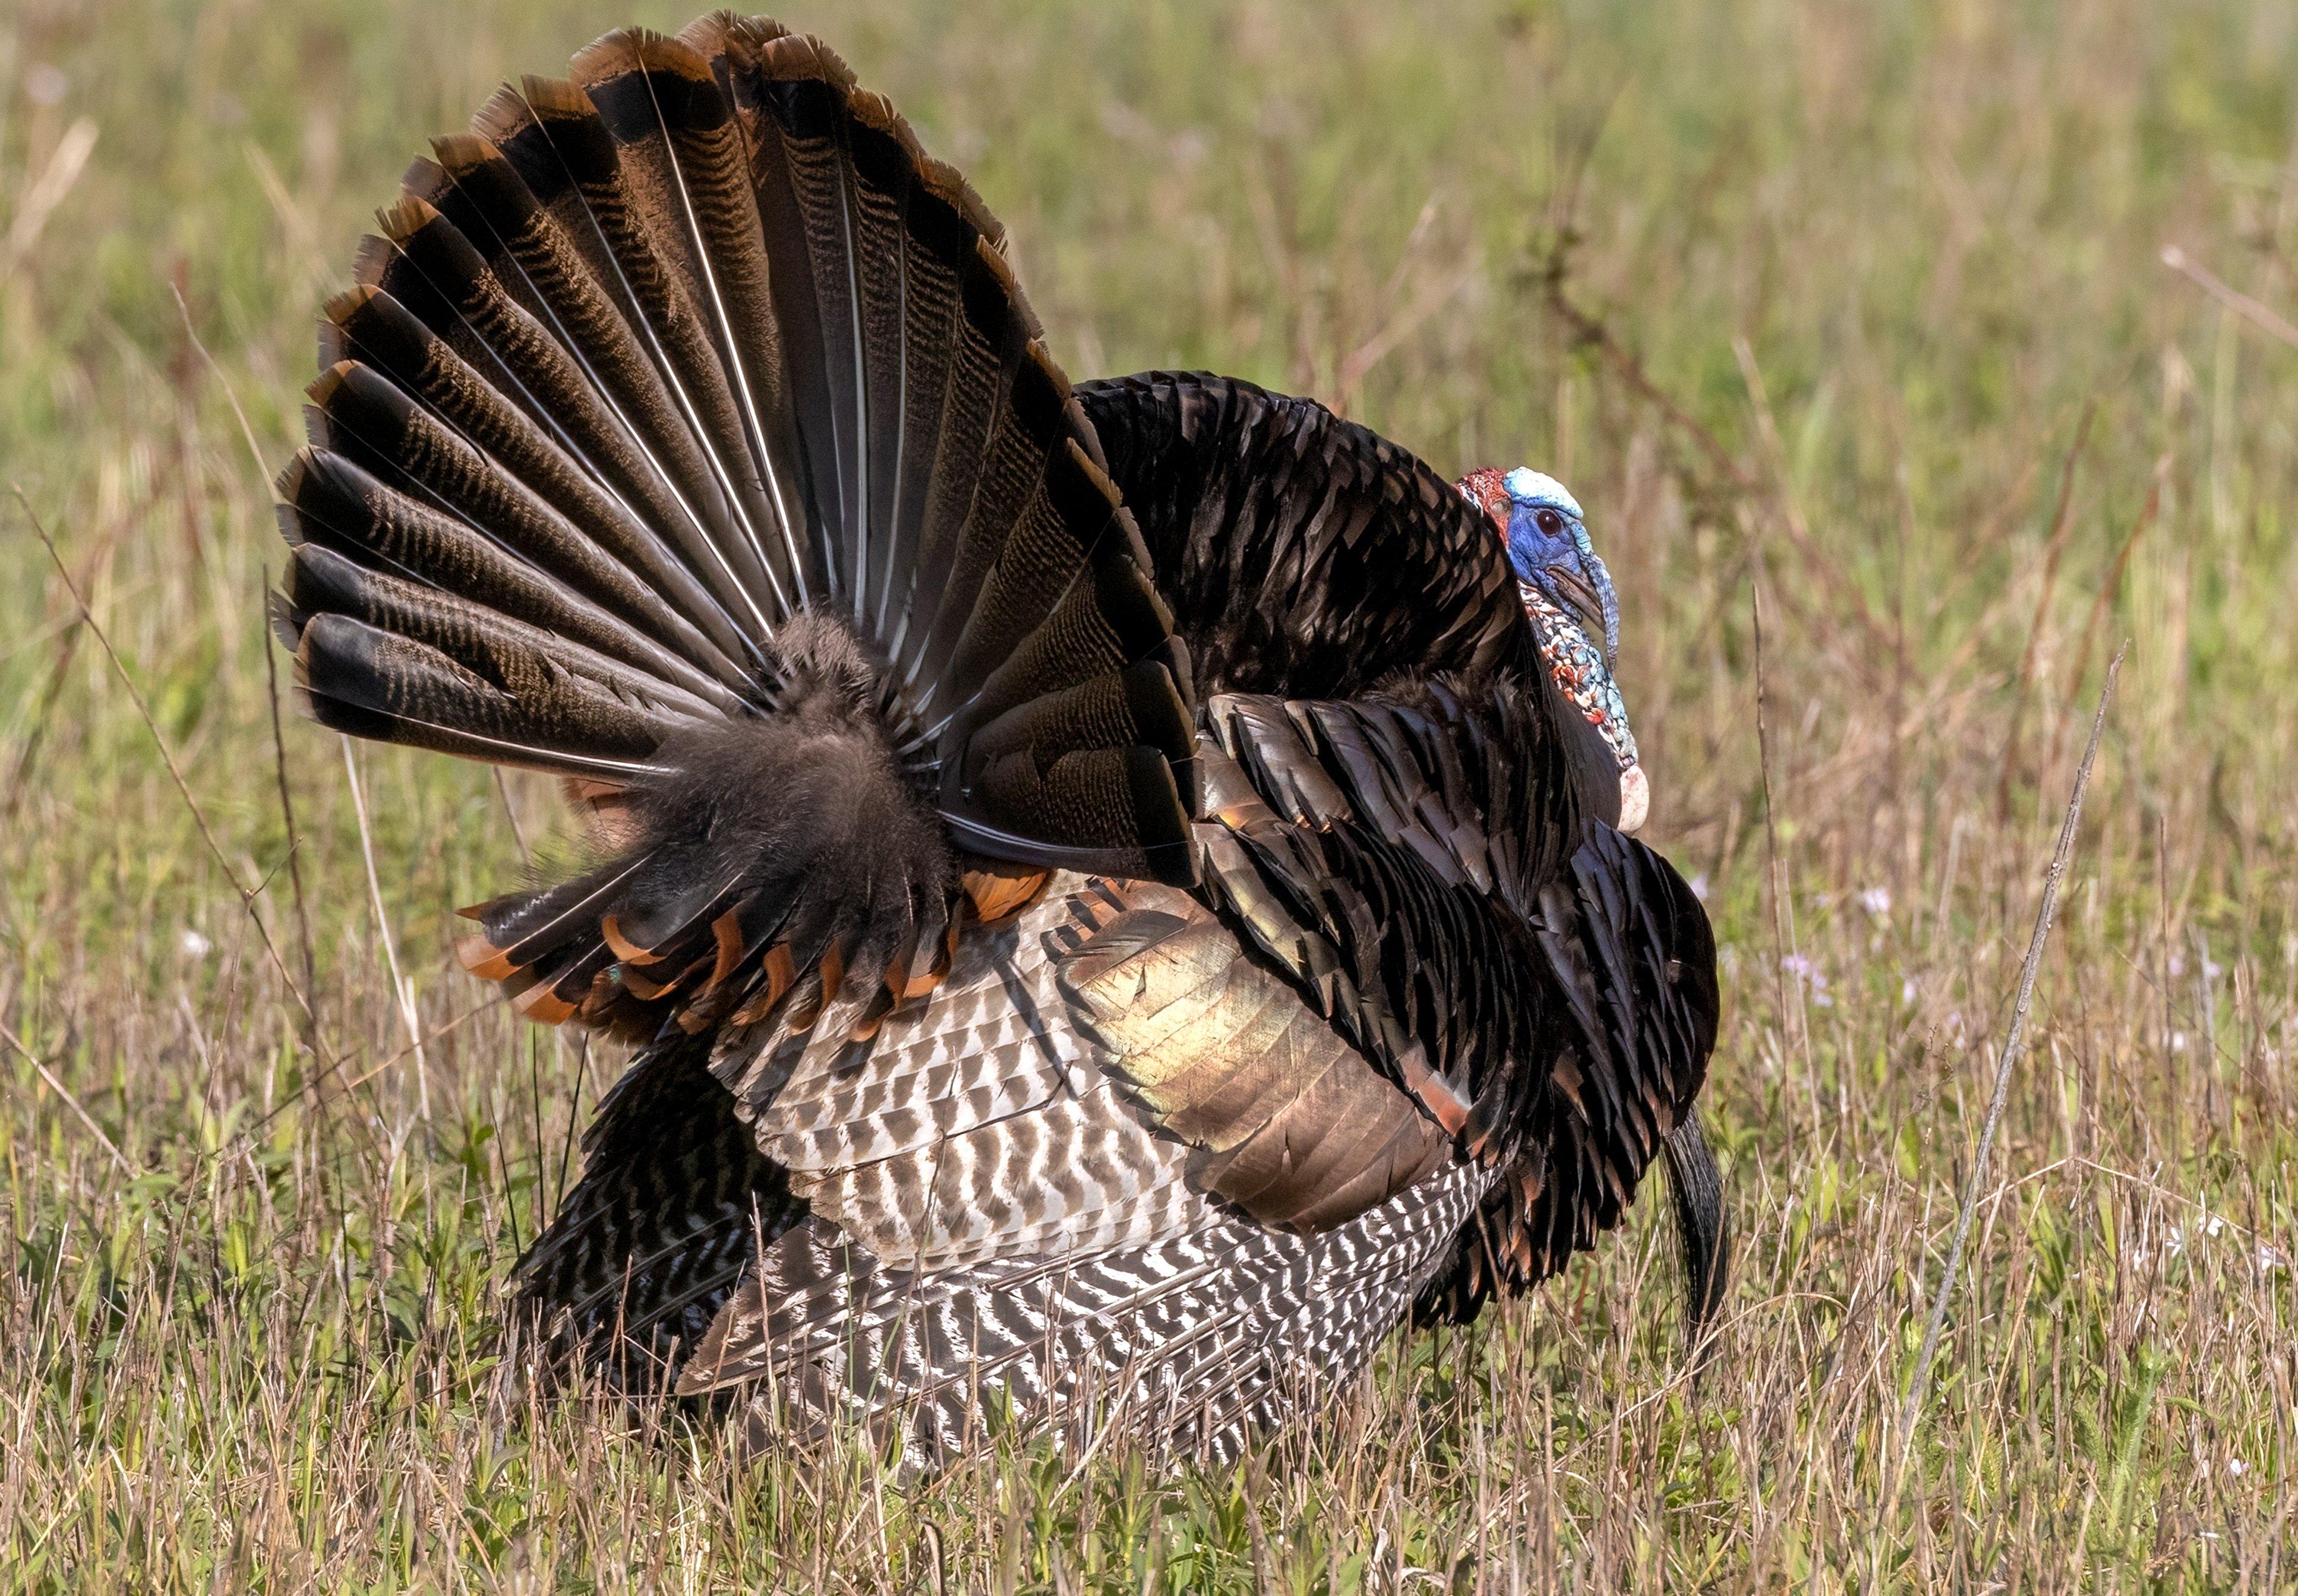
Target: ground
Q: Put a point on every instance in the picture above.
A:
(1857, 320)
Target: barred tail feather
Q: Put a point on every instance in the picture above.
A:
(686, 434)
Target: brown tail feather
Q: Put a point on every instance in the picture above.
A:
(683, 404)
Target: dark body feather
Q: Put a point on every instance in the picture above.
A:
(1116, 914)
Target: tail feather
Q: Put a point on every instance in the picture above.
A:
(637, 341)
(527, 660)
(518, 708)
(367, 325)
(687, 435)
(328, 502)
(613, 403)
(360, 415)
(629, 181)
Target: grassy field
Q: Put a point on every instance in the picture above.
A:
(1855, 317)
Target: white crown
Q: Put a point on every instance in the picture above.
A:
(1528, 487)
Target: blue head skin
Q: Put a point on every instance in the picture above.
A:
(1567, 595)
(1547, 544)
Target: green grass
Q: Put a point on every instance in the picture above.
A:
(1884, 261)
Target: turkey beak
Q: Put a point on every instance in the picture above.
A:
(1581, 595)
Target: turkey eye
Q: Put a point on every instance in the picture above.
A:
(1551, 523)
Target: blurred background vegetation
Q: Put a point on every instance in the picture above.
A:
(1855, 317)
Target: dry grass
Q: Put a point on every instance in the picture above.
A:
(1892, 345)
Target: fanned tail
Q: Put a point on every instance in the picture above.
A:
(686, 435)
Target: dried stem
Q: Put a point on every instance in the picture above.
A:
(2061, 520)
(19, 778)
(215, 370)
(1789, 518)
(1918, 1386)
(1591, 333)
(287, 818)
(2261, 316)
(42, 716)
(2105, 598)
(405, 993)
(247, 895)
(1780, 934)
(70, 1102)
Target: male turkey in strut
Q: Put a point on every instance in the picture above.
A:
(1122, 891)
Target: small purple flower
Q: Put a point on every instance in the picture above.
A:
(1813, 978)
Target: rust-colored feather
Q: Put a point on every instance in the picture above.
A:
(1000, 890)
(483, 958)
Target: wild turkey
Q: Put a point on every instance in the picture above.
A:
(1122, 891)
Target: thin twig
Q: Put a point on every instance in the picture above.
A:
(510, 813)
(1403, 318)
(1918, 1388)
(247, 895)
(215, 370)
(1789, 516)
(574, 1112)
(398, 986)
(1591, 333)
(287, 816)
(1767, 428)
(70, 1102)
(534, 1099)
(2106, 599)
(1780, 935)
(19, 778)
(2261, 316)
(271, 669)
(2061, 520)
(510, 1202)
